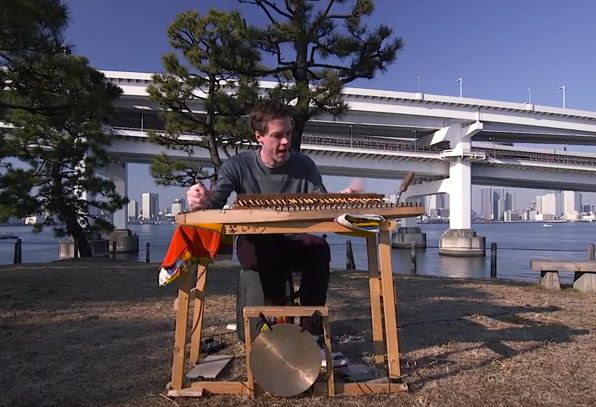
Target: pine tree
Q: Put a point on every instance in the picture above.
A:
(315, 48)
(203, 93)
(56, 105)
(29, 30)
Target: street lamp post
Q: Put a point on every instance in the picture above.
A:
(461, 86)
(562, 87)
(142, 109)
(529, 96)
(419, 77)
(494, 140)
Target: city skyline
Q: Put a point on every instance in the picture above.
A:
(492, 196)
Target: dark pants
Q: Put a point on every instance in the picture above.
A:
(273, 256)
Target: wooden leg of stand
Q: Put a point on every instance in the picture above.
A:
(181, 330)
(250, 381)
(374, 284)
(197, 319)
(389, 305)
(328, 355)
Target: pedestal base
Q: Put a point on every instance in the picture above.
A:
(403, 238)
(585, 282)
(126, 242)
(462, 242)
(98, 248)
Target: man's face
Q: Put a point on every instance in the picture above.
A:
(275, 143)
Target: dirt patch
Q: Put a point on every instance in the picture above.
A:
(101, 333)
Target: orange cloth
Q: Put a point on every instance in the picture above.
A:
(188, 243)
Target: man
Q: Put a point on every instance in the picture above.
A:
(274, 168)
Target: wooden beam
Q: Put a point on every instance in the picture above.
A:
(198, 389)
(313, 226)
(329, 357)
(198, 309)
(275, 311)
(563, 265)
(249, 216)
(250, 381)
(389, 305)
(374, 285)
(362, 388)
(181, 330)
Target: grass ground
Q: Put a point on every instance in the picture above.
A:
(101, 333)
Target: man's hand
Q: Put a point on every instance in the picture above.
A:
(355, 187)
(197, 196)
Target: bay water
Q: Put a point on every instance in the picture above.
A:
(517, 244)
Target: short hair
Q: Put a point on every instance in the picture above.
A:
(265, 112)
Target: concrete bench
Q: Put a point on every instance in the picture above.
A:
(584, 279)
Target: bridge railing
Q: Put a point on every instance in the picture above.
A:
(371, 143)
(539, 157)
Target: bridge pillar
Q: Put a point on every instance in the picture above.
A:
(460, 239)
(117, 172)
(126, 241)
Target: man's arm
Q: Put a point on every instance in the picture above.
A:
(225, 184)
(198, 197)
(314, 180)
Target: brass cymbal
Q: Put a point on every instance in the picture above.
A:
(285, 360)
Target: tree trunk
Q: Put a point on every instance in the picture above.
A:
(300, 74)
(299, 124)
(78, 234)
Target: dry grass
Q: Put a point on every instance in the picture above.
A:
(100, 333)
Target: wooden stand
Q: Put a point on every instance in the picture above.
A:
(256, 312)
(383, 303)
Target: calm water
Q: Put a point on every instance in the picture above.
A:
(517, 244)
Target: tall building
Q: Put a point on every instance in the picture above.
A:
(572, 204)
(501, 208)
(486, 203)
(508, 196)
(430, 205)
(560, 211)
(436, 205)
(549, 205)
(495, 204)
(178, 206)
(443, 201)
(133, 209)
(150, 205)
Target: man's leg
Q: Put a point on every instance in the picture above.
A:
(310, 255)
(265, 254)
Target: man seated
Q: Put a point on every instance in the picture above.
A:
(273, 168)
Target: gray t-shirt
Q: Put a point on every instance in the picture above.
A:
(246, 173)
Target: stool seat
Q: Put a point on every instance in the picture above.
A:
(250, 293)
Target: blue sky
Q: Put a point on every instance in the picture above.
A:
(500, 49)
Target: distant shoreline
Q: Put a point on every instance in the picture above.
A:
(499, 222)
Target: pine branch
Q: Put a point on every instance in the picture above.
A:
(263, 4)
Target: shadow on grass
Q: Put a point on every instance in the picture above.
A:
(436, 312)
